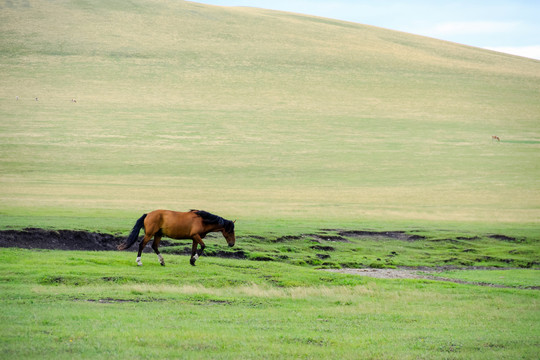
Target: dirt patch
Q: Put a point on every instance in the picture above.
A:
(398, 235)
(58, 239)
(502, 237)
(330, 238)
(416, 274)
(288, 238)
(32, 238)
(343, 235)
(382, 273)
(113, 300)
(322, 248)
(238, 254)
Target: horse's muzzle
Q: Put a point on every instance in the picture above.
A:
(231, 245)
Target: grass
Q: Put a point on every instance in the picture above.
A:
(291, 124)
(256, 115)
(339, 249)
(96, 304)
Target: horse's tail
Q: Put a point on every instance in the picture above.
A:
(134, 235)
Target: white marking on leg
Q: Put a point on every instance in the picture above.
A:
(139, 262)
(161, 260)
(196, 256)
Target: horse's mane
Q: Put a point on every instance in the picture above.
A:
(209, 218)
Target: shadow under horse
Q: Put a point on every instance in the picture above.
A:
(194, 224)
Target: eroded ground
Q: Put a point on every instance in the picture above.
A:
(32, 238)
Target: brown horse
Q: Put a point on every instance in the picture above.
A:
(495, 137)
(194, 225)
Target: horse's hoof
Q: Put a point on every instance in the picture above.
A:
(162, 264)
(192, 261)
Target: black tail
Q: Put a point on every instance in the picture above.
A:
(134, 235)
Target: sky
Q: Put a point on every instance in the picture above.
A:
(511, 26)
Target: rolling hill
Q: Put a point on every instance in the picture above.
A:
(261, 115)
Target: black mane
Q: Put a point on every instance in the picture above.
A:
(209, 218)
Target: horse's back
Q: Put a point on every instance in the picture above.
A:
(173, 224)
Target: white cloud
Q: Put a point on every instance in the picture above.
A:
(532, 52)
(473, 27)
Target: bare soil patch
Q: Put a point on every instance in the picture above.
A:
(382, 273)
(399, 235)
(406, 273)
(109, 300)
(32, 238)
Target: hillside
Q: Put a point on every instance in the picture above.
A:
(256, 114)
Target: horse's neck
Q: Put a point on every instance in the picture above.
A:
(212, 228)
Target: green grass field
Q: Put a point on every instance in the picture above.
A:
(99, 304)
(298, 127)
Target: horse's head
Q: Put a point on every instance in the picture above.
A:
(228, 233)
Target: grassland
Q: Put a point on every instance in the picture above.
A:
(263, 116)
(301, 128)
(99, 304)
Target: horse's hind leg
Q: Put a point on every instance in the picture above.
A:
(141, 248)
(155, 245)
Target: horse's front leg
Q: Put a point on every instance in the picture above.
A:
(197, 240)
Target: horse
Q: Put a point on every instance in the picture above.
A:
(194, 224)
(495, 137)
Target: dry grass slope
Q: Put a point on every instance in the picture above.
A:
(257, 114)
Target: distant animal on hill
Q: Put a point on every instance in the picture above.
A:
(494, 137)
(194, 224)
